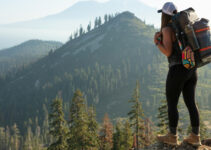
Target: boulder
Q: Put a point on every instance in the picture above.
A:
(206, 142)
(182, 146)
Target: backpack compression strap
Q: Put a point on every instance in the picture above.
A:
(201, 30)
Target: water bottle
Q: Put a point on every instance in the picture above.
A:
(191, 37)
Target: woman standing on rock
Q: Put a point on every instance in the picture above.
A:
(179, 79)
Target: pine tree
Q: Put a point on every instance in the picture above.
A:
(149, 133)
(79, 134)
(15, 137)
(71, 37)
(28, 139)
(110, 17)
(106, 134)
(105, 18)
(99, 22)
(47, 138)
(2, 138)
(136, 116)
(58, 126)
(37, 137)
(93, 128)
(118, 138)
(81, 30)
(89, 27)
(96, 23)
(127, 136)
(163, 117)
(116, 14)
(203, 129)
(75, 34)
(7, 138)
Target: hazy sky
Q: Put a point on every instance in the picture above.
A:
(202, 7)
(19, 10)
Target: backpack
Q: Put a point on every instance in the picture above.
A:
(194, 38)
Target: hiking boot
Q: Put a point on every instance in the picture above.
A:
(169, 138)
(193, 139)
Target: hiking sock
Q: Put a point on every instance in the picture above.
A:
(173, 130)
(195, 130)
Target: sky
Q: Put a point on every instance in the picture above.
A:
(202, 7)
(21, 10)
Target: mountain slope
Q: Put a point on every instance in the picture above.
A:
(104, 63)
(25, 53)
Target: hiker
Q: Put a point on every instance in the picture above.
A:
(179, 79)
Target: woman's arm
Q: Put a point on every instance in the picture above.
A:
(166, 45)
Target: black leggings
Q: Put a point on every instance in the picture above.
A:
(180, 79)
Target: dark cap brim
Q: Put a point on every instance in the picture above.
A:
(159, 11)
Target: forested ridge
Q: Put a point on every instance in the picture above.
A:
(19, 56)
(104, 61)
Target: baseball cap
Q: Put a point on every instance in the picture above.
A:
(168, 8)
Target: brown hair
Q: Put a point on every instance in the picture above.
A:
(165, 19)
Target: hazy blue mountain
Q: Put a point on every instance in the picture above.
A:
(25, 53)
(103, 63)
(59, 26)
(73, 15)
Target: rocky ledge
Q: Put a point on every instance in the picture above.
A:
(182, 146)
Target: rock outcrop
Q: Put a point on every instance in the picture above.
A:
(182, 146)
(206, 142)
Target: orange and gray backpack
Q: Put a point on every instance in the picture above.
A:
(194, 38)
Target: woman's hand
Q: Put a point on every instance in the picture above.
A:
(157, 35)
(166, 46)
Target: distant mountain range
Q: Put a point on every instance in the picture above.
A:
(30, 51)
(59, 26)
(104, 64)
